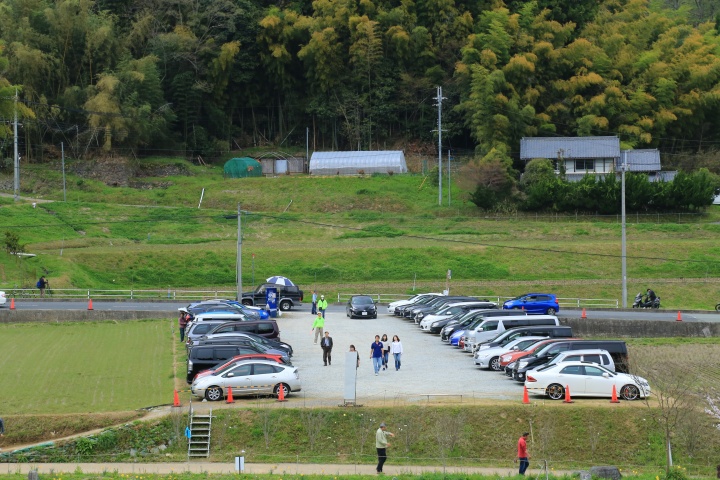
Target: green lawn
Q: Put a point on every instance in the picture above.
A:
(85, 367)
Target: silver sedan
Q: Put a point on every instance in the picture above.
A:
(254, 377)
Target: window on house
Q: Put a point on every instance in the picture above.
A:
(584, 165)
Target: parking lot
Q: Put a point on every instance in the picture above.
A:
(431, 370)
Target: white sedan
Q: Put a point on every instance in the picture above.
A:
(3, 299)
(490, 357)
(254, 377)
(584, 379)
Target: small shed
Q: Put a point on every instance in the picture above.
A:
(357, 163)
(242, 167)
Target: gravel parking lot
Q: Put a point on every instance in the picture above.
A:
(429, 366)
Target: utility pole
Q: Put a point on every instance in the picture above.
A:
(624, 242)
(239, 256)
(16, 158)
(439, 105)
(62, 150)
(448, 179)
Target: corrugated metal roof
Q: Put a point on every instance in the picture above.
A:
(647, 160)
(352, 163)
(569, 147)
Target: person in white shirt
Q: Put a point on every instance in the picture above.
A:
(397, 350)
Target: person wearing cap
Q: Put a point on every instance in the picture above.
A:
(381, 444)
(523, 456)
(182, 322)
(322, 305)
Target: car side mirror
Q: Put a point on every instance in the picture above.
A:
(606, 375)
(230, 375)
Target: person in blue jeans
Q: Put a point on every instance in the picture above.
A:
(397, 351)
(376, 354)
(386, 351)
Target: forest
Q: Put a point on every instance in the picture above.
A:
(200, 77)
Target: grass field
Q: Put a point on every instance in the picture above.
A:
(85, 367)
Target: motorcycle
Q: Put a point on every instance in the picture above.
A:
(641, 301)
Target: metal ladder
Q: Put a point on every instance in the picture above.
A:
(199, 441)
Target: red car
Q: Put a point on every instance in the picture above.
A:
(239, 358)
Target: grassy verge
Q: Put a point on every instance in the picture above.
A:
(85, 367)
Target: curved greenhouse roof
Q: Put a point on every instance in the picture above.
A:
(357, 163)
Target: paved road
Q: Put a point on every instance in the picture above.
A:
(171, 307)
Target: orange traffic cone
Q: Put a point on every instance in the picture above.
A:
(281, 393)
(90, 304)
(176, 399)
(526, 399)
(614, 398)
(12, 304)
(679, 319)
(567, 395)
(584, 315)
(229, 396)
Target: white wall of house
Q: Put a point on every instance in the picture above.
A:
(589, 165)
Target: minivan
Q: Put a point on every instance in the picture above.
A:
(492, 327)
(616, 348)
(468, 319)
(207, 356)
(551, 331)
(265, 328)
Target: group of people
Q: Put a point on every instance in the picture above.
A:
(183, 319)
(318, 307)
(380, 352)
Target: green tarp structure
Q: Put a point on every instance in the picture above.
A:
(242, 167)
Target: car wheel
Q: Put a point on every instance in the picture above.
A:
(495, 364)
(285, 305)
(214, 394)
(285, 388)
(247, 302)
(555, 392)
(717, 307)
(375, 316)
(630, 392)
(550, 311)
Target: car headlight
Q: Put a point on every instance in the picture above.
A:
(477, 355)
(434, 324)
(420, 315)
(522, 364)
(504, 358)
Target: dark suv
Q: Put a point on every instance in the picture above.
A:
(288, 296)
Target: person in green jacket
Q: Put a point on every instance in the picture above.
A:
(318, 325)
(322, 305)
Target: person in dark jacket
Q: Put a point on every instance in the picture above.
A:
(327, 343)
(182, 322)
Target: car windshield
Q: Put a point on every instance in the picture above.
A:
(362, 301)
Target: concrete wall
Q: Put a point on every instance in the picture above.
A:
(583, 327)
(57, 316)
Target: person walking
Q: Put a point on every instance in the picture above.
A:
(326, 343)
(523, 456)
(318, 326)
(313, 311)
(381, 444)
(182, 322)
(42, 285)
(352, 349)
(2, 427)
(386, 351)
(376, 354)
(322, 305)
(397, 350)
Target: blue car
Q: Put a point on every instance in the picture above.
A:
(538, 303)
(455, 337)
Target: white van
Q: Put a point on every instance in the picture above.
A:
(494, 326)
(594, 355)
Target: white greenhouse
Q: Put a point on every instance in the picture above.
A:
(357, 163)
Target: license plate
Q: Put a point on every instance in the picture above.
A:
(364, 313)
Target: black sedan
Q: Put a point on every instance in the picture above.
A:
(361, 306)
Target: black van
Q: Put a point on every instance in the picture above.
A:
(207, 356)
(551, 331)
(616, 348)
(265, 328)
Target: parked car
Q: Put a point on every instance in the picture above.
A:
(425, 320)
(585, 380)
(508, 358)
(420, 300)
(265, 345)
(361, 306)
(401, 303)
(222, 367)
(228, 306)
(264, 328)
(434, 306)
(617, 348)
(461, 323)
(195, 330)
(219, 333)
(592, 355)
(507, 336)
(492, 327)
(534, 303)
(289, 296)
(3, 299)
(252, 377)
(490, 357)
(203, 357)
